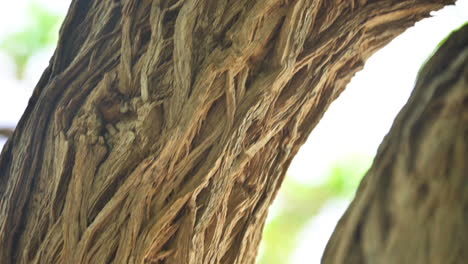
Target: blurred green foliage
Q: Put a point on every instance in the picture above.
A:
(39, 32)
(297, 204)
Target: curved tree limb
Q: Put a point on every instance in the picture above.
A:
(412, 205)
(162, 130)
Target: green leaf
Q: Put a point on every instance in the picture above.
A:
(40, 31)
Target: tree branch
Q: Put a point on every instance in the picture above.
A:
(6, 131)
(411, 207)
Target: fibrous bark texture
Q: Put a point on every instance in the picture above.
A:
(412, 206)
(161, 130)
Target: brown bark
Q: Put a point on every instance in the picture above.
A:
(412, 206)
(161, 130)
(6, 131)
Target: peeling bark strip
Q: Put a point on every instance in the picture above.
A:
(161, 130)
(412, 206)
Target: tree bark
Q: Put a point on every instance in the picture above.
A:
(412, 206)
(162, 130)
(6, 131)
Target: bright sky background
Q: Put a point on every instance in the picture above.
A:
(354, 124)
(359, 119)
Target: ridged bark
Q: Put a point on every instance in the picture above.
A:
(412, 206)
(162, 130)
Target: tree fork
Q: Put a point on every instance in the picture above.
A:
(412, 206)
(161, 130)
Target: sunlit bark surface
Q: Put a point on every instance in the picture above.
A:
(412, 206)
(162, 130)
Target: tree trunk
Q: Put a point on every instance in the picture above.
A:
(412, 206)
(161, 130)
